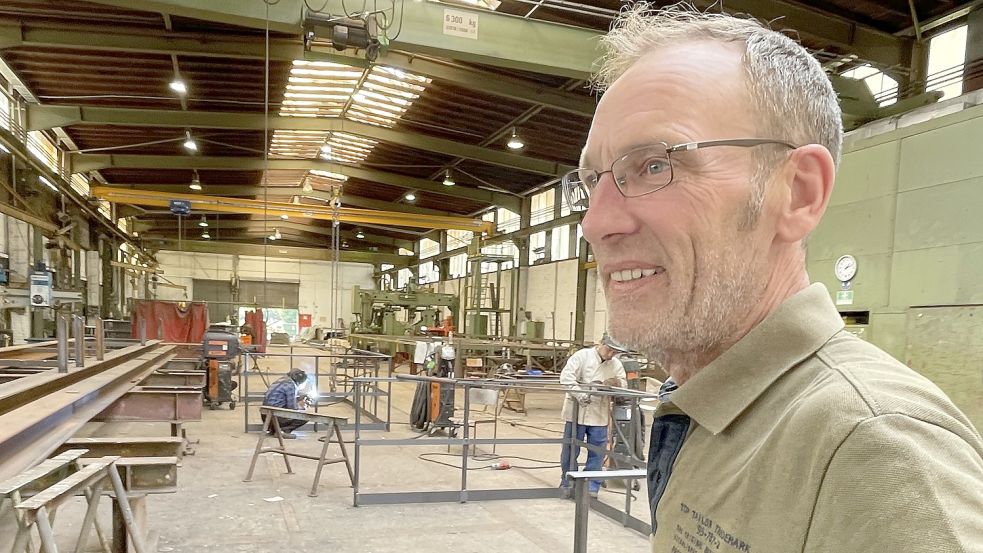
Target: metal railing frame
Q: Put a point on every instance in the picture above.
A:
(365, 404)
(466, 442)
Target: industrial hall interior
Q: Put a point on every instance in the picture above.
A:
(491, 275)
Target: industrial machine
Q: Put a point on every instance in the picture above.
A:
(220, 357)
(375, 310)
(433, 402)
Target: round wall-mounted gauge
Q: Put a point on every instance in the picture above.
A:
(845, 268)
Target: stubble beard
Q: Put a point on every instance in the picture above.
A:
(690, 317)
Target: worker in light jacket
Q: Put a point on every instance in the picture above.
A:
(597, 365)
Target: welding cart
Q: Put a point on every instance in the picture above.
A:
(220, 358)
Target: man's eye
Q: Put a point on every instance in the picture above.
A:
(654, 167)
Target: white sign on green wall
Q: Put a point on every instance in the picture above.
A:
(844, 297)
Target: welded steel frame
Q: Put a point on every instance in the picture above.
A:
(466, 442)
(39, 412)
(144, 404)
(585, 503)
(366, 403)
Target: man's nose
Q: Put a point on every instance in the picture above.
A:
(606, 216)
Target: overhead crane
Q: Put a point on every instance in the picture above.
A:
(222, 204)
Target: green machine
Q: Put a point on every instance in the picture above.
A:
(375, 310)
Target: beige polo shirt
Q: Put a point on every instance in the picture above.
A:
(804, 438)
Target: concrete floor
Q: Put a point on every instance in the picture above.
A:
(214, 510)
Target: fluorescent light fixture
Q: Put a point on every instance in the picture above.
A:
(329, 175)
(359, 235)
(4, 149)
(48, 183)
(189, 142)
(203, 222)
(284, 216)
(177, 85)
(515, 143)
(448, 179)
(410, 197)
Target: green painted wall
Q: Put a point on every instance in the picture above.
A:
(908, 205)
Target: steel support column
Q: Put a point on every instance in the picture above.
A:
(37, 254)
(581, 308)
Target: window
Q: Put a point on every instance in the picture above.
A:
(429, 272)
(43, 148)
(459, 266)
(106, 209)
(4, 111)
(458, 238)
(81, 184)
(429, 248)
(946, 59)
(507, 248)
(560, 246)
(576, 246)
(508, 221)
(884, 88)
(277, 320)
(542, 207)
(386, 282)
(403, 277)
(537, 247)
(564, 204)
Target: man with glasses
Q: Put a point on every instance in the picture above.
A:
(710, 160)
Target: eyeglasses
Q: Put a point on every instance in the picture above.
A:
(643, 170)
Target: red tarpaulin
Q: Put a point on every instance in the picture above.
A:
(255, 320)
(185, 325)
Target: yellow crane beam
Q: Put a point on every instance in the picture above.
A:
(275, 209)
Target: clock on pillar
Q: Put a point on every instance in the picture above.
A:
(845, 268)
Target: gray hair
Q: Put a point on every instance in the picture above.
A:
(792, 98)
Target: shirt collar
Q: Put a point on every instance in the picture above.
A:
(716, 395)
(666, 390)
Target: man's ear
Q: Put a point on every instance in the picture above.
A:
(809, 176)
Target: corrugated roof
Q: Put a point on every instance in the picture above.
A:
(379, 96)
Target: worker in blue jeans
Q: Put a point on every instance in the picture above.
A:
(586, 368)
